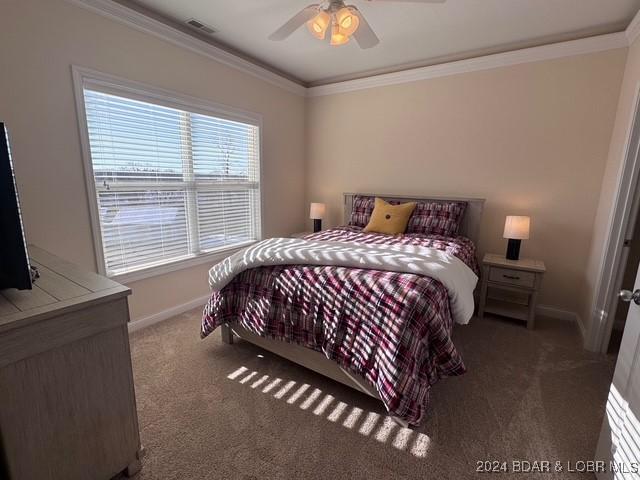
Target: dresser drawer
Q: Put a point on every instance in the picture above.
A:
(512, 277)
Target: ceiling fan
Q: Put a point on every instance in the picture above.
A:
(343, 21)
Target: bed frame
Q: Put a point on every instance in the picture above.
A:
(317, 361)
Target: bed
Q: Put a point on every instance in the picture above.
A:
(385, 333)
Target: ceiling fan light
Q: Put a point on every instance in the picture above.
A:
(337, 36)
(338, 39)
(319, 24)
(348, 21)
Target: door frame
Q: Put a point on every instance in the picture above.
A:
(621, 224)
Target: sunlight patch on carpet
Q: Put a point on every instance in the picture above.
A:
(353, 417)
(383, 429)
(260, 381)
(322, 406)
(237, 373)
(271, 385)
(298, 393)
(248, 377)
(283, 391)
(310, 399)
(337, 412)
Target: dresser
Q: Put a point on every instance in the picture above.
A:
(67, 400)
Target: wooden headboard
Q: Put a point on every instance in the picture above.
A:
(470, 226)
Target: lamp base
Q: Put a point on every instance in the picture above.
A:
(317, 225)
(513, 249)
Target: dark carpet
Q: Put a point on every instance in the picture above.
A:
(209, 410)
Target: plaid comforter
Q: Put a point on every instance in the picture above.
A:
(393, 329)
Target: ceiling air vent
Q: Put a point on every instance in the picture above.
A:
(200, 26)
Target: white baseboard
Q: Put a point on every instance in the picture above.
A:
(557, 313)
(560, 314)
(546, 310)
(166, 314)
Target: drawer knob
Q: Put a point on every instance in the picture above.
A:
(511, 277)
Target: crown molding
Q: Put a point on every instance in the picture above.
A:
(139, 21)
(535, 54)
(633, 30)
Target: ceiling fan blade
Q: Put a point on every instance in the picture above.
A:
(364, 35)
(295, 22)
(409, 1)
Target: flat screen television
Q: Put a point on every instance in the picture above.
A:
(15, 271)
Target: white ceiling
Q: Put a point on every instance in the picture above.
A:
(410, 34)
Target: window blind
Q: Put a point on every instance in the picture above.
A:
(170, 184)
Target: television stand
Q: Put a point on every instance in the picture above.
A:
(67, 400)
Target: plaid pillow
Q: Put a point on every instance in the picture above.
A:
(437, 218)
(428, 217)
(361, 210)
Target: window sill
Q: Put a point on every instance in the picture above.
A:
(157, 270)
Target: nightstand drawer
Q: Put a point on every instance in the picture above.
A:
(512, 277)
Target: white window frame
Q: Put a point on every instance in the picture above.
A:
(88, 78)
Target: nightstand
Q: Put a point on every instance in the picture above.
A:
(519, 278)
(300, 234)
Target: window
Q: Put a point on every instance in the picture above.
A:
(171, 184)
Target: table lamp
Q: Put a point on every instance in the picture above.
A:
(516, 229)
(316, 213)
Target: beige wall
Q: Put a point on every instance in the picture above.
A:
(40, 40)
(610, 179)
(532, 139)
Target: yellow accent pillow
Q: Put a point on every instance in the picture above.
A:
(389, 219)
